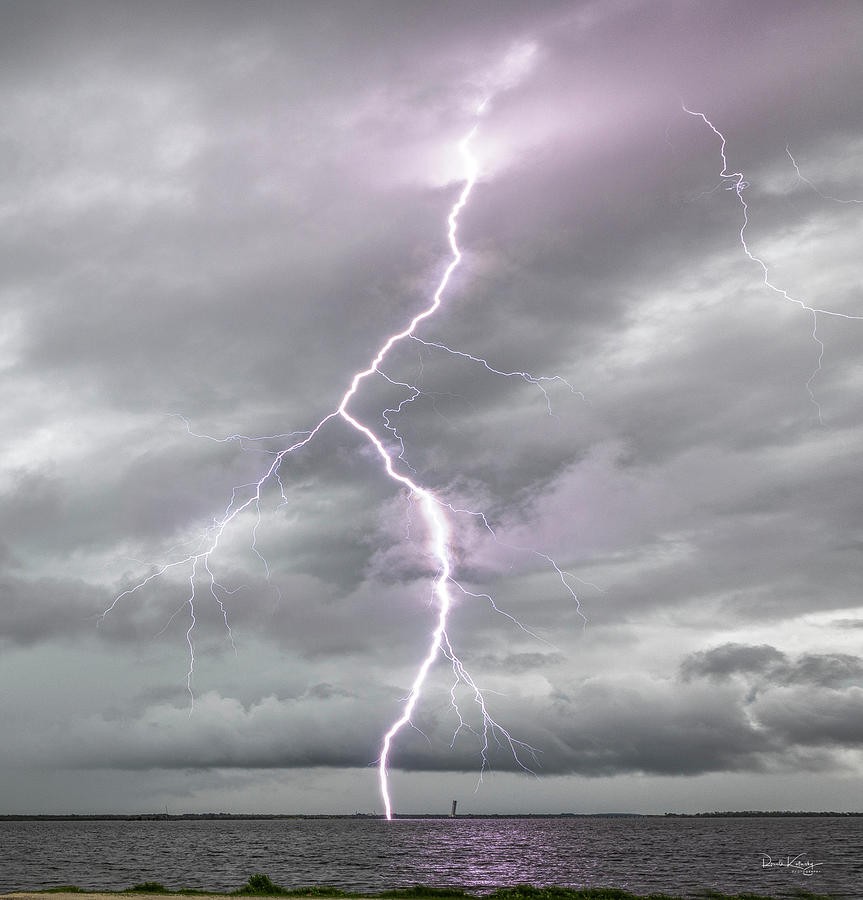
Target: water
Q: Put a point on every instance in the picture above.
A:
(677, 856)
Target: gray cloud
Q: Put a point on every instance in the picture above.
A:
(220, 209)
(731, 659)
(599, 729)
(835, 670)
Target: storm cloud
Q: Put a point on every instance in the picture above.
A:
(213, 213)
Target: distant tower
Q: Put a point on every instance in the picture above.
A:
(452, 812)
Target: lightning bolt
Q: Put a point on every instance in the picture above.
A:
(435, 513)
(814, 187)
(739, 184)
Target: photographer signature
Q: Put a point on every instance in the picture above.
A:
(805, 867)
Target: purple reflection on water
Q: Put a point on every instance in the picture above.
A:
(643, 855)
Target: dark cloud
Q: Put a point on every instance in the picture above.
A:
(599, 729)
(836, 670)
(44, 609)
(722, 662)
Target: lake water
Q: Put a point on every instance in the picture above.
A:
(678, 856)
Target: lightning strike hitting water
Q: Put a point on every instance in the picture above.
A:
(434, 512)
(739, 184)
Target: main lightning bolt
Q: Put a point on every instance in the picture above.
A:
(435, 513)
(739, 184)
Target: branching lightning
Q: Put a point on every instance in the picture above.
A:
(436, 514)
(525, 376)
(739, 184)
(815, 187)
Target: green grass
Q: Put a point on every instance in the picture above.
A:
(261, 886)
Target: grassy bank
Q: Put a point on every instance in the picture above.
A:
(262, 886)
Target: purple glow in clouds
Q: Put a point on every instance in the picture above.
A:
(434, 512)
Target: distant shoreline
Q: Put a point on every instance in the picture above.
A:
(206, 817)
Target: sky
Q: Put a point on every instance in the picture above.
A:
(214, 213)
